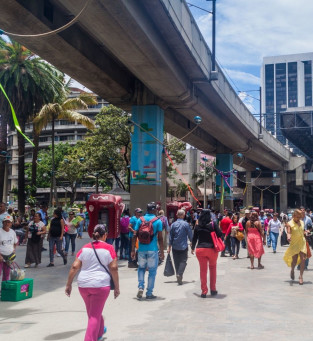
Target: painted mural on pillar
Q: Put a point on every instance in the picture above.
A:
(224, 163)
(146, 154)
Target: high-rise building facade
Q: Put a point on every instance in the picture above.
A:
(286, 96)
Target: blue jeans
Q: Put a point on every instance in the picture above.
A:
(150, 260)
(269, 239)
(274, 238)
(80, 229)
(70, 238)
(235, 245)
(55, 241)
(124, 245)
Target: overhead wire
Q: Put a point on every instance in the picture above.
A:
(46, 34)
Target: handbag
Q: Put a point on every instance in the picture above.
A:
(219, 246)
(308, 252)
(16, 274)
(169, 269)
(112, 285)
(240, 236)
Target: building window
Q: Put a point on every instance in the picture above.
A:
(10, 141)
(308, 83)
(292, 85)
(43, 139)
(281, 87)
(269, 88)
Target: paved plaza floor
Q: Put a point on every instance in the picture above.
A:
(250, 305)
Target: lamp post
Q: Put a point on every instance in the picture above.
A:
(204, 183)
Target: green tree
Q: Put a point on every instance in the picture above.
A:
(106, 149)
(175, 149)
(44, 163)
(64, 109)
(199, 177)
(181, 189)
(29, 82)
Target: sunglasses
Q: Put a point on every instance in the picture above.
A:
(71, 214)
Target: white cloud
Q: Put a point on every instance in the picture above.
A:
(242, 76)
(249, 30)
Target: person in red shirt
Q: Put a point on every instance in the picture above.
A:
(224, 225)
(234, 226)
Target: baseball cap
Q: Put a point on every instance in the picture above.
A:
(8, 218)
(138, 210)
(247, 211)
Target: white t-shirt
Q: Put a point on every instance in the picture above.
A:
(92, 274)
(274, 225)
(7, 241)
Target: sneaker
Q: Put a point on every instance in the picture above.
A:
(104, 331)
(151, 297)
(58, 255)
(27, 266)
(179, 279)
(203, 295)
(49, 265)
(64, 260)
(213, 292)
(139, 294)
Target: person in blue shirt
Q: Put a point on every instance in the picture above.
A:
(148, 255)
(132, 224)
(43, 212)
(180, 232)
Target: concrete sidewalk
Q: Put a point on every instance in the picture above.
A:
(251, 305)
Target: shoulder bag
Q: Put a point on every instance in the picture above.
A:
(219, 245)
(112, 286)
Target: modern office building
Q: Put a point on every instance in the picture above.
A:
(287, 100)
(65, 131)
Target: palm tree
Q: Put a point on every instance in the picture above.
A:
(64, 111)
(29, 82)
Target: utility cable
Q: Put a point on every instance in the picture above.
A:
(46, 34)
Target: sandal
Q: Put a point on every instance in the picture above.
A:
(300, 281)
(260, 266)
(292, 274)
(251, 267)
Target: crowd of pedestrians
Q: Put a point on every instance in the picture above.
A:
(142, 242)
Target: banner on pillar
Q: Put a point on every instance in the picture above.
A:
(224, 163)
(146, 154)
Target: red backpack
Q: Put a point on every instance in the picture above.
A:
(145, 231)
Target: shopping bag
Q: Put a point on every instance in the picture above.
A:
(16, 274)
(308, 253)
(169, 269)
(283, 239)
(219, 246)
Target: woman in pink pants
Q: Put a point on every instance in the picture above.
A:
(205, 252)
(94, 280)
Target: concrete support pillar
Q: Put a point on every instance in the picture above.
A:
(224, 163)
(283, 191)
(147, 172)
(247, 200)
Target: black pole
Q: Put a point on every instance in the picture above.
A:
(213, 35)
(260, 110)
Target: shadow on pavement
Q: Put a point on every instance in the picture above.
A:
(62, 336)
(159, 298)
(184, 282)
(7, 313)
(218, 296)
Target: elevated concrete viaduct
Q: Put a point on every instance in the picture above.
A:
(139, 52)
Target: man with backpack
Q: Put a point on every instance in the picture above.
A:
(148, 230)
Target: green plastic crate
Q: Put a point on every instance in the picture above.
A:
(17, 290)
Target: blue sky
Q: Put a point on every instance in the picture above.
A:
(248, 30)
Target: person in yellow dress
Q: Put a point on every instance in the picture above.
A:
(297, 250)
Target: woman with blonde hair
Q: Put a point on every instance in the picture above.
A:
(297, 250)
